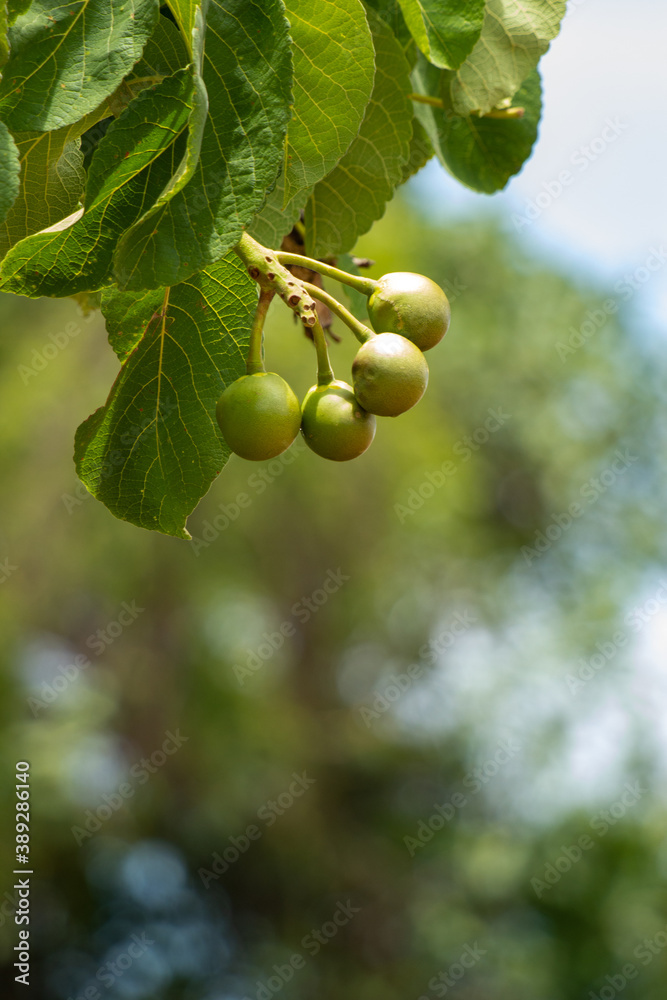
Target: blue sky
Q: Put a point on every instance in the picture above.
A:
(607, 66)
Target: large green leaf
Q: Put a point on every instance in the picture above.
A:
(444, 30)
(484, 152)
(65, 59)
(247, 72)
(133, 163)
(516, 33)
(334, 68)
(9, 171)
(154, 449)
(347, 202)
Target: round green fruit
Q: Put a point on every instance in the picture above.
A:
(333, 423)
(411, 305)
(259, 416)
(390, 374)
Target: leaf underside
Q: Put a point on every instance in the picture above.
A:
(153, 450)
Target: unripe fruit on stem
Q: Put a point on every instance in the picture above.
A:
(259, 416)
(390, 374)
(411, 305)
(333, 423)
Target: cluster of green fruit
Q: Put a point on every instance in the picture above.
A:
(259, 414)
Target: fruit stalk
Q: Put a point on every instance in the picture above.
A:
(365, 285)
(271, 276)
(361, 332)
(255, 360)
(325, 373)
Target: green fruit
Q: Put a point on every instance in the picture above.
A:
(411, 305)
(333, 424)
(390, 374)
(259, 416)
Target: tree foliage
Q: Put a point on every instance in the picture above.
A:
(138, 144)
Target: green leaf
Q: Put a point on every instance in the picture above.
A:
(247, 73)
(153, 450)
(134, 161)
(483, 153)
(421, 151)
(514, 37)
(334, 68)
(52, 179)
(66, 58)
(347, 202)
(444, 30)
(9, 171)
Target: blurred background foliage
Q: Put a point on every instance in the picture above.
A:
(436, 574)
